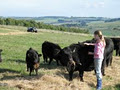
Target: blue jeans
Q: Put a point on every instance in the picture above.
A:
(98, 65)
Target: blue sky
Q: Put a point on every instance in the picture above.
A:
(82, 8)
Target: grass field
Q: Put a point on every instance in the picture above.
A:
(15, 41)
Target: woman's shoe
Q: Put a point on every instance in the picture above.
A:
(99, 84)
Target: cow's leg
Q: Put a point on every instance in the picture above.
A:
(117, 52)
(103, 67)
(111, 60)
(70, 75)
(36, 71)
(27, 67)
(107, 62)
(57, 62)
(95, 71)
(50, 60)
(81, 75)
(45, 58)
(30, 71)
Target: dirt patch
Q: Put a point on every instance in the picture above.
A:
(58, 81)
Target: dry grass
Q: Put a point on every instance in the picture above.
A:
(57, 79)
(14, 33)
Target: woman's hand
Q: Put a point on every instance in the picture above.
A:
(90, 53)
(86, 44)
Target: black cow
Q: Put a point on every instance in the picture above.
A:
(108, 49)
(65, 55)
(50, 50)
(80, 61)
(108, 52)
(116, 42)
(0, 55)
(32, 60)
(83, 61)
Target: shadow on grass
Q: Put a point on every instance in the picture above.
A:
(26, 77)
(12, 74)
(3, 70)
(53, 65)
(117, 87)
(63, 73)
(5, 73)
(17, 61)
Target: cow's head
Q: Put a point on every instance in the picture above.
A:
(71, 66)
(0, 55)
(34, 56)
(65, 55)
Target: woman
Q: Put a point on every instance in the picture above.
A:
(98, 56)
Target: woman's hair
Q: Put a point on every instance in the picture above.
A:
(99, 33)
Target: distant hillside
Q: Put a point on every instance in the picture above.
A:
(109, 26)
(113, 20)
(58, 20)
(32, 23)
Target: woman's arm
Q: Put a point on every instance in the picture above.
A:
(89, 44)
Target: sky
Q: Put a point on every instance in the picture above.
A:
(79, 8)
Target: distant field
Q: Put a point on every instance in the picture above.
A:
(13, 75)
(93, 23)
(107, 28)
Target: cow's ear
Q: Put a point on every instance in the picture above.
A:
(28, 55)
(1, 50)
(74, 50)
(79, 42)
(60, 53)
(39, 55)
(57, 51)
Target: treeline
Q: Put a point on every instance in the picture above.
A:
(81, 24)
(40, 25)
(113, 20)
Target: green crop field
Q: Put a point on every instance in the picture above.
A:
(107, 28)
(15, 41)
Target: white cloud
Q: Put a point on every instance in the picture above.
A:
(95, 5)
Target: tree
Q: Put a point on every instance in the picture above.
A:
(2, 21)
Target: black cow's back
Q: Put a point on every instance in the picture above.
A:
(116, 42)
(49, 49)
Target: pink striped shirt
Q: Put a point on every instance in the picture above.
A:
(99, 50)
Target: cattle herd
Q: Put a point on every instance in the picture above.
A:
(74, 57)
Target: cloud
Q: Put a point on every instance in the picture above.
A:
(95, 4)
